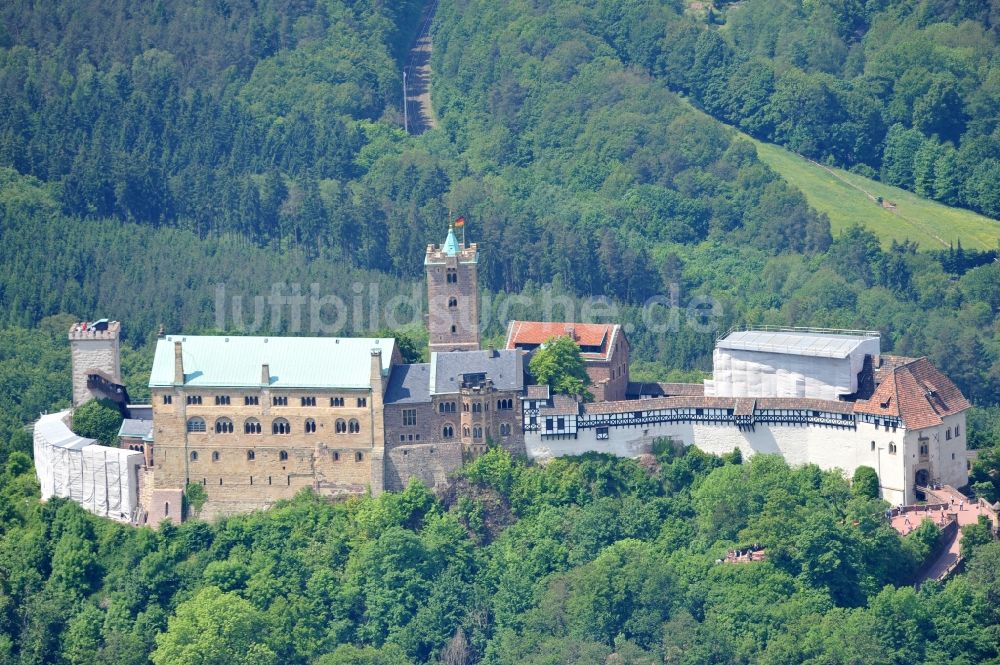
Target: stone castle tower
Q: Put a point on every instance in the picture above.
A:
(96, 361)
(452, 295)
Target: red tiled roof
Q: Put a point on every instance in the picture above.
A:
(655, 403)
(665, 389)
(804, 404)
(916, 392)
(740, 405)
(533, 333)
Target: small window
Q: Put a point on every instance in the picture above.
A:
(251, 400)
(308, 401)
(279, 400)
(947, 434)
(560, 423)
(196, 425)
(892, 448)
(465, 431)
(353, 426)
(215, 456)
(194, 455)
(223, 426)
(281, 426)
(168, 399)
(222, 400)
(504, 429)
(447, 432)
(454, 329)
(956, 430)
(341, 426)
(283, 455)
(251, 455)
(873, 445)
(362, 402)
(251, 426)
(409, 417)
(452, 303)
(336, 457)
(359, 457)
(310, 426)
(194, 400)
(477, 432)
(336, 401)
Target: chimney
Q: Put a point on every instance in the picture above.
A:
(265, 375)
(178, 364)
(376, 371)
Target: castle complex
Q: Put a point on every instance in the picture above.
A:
(254, 420)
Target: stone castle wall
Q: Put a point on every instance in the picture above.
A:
(100, 353)
(243, 471)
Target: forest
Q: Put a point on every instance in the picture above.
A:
(152, 151)
(902, 90)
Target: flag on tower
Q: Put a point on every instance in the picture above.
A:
(460, 222)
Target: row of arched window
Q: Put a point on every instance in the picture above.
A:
(278, 426)
(251, 455)
(477, 407)
(476, 431)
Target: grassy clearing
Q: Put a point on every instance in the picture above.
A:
(844, 196)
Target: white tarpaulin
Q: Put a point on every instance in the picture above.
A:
(810, 365)
(101, 479)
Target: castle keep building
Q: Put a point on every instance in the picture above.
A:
(256, 419)
(452, 295)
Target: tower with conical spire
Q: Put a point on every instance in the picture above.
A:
(452, 295)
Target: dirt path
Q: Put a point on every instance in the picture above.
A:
(420, 113)
(874, 199)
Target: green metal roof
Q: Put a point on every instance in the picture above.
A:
(293, 362)
(451, 243)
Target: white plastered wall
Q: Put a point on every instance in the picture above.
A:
(827, 447)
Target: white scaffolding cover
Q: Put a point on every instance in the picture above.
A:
(101, 479)
(809, 365)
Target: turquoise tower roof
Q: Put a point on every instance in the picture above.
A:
(451, 244)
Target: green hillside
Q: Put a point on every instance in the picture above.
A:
(849, 198)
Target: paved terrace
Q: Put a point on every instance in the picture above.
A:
(947, 504)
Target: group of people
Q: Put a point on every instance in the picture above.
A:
(925, 511)
(753, 553)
